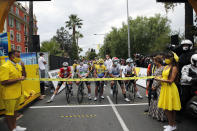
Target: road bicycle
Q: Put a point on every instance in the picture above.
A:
(80, 92)
(115, 91)
(68, 92)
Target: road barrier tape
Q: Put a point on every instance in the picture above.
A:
(89, 79)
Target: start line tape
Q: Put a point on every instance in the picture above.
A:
(89, 79)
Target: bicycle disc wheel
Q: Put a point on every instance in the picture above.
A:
(80, 95)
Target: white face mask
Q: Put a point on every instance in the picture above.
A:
(115, 63)
(185, 48)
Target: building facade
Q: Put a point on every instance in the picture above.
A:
(17, 23)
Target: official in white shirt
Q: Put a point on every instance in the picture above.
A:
(42, 62)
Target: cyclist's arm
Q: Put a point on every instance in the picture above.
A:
(111, 75)
(70, 75)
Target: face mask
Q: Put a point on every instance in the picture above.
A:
(16, 60)
(167, 61)
(115, 63)
(185, 48)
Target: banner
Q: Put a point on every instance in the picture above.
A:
(4, 44)
(53, 74)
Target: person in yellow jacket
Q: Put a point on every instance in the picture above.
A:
(11, 75)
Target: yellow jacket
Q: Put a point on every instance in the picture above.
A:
(9, 71)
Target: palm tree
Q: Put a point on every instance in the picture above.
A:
(78, 35)
(73, 23)
(52, 47)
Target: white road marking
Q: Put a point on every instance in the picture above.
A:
(79, 106)
(124, 126)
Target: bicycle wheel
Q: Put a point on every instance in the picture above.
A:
(67, 94)
(80, 94)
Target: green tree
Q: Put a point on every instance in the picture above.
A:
(91, 54)
(73, 23)
(147, 35)
(64, 39)
(52, 47)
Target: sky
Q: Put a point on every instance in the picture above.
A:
(98, 17)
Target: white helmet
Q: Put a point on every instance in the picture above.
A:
(129, 60)
(187, 42)
(65, 64)
(115, 59)
(194, 60)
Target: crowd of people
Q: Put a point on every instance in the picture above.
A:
(174, 70)
(170, 90)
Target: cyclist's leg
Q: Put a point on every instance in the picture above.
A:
(96, 90)
(136, 90)
(122, 86)
(56, 91)
(89, 89)
(102, 84)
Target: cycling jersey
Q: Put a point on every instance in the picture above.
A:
(83, 70)
(100, 70)
(129, 70)
(65, 73)
(115, 71)
(123, 68)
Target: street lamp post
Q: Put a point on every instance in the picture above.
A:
(129, 51)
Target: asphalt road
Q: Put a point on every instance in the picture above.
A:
(94, 116)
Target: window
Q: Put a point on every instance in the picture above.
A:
(26, 49)
(11, 35)
(17, 11)
(11, 21)
(18, 25)
(18, 37)
(25, 30)
(25, 18)
(18, 48)
(12, 46)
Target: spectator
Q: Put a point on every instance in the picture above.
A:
(42, 62)
(169, 99)
(11, 75)
(154, 111)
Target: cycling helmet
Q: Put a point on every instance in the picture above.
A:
(65, 64)
(194, 60)
(115, 59)
(187, 42)
(129, 60)
(100, 61)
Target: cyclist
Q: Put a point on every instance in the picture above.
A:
(131, 72)
(65, 72)
(99, 72)
(83, 72)
(115, 71)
